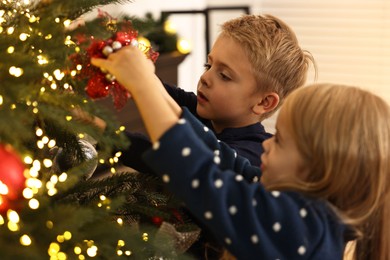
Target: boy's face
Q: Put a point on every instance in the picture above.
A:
(227, 89)
(281, 160)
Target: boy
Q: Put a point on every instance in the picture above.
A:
(253, 65)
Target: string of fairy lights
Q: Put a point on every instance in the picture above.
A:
(34, 186)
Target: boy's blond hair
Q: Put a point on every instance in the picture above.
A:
(278, 62)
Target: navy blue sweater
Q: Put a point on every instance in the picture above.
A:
(246, 141)
(221, 190)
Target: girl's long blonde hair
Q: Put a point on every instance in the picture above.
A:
(343, 134)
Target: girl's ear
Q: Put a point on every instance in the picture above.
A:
(268, 103)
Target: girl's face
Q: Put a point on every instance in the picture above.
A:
(227, 90)
(281, 160)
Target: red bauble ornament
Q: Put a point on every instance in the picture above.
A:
(100, 84)
(12, 180)
(98, 87)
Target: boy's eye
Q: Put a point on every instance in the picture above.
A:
(207, 66)
(224, 77)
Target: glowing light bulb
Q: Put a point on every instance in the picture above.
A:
(28, 193)
(169, 27)
(77, 250)
(12, 226)
(47, 163)
(39, 132)
(33, 204)
(92, 251)
(54, 248)
(28, 160)
(25, 240)
(145, 237)
(58, 74)
(60, 238)
(10, 30)
(45, 139)
(13, 216)
(42, 60)
(49, 224)
(54, 179)
(67, 23)
(40, 144)
(67, 235)
(62, 177)
(3, 188)
(33, 19)
(23, 37)
(16, 72)
(183, 46)
(10, 49)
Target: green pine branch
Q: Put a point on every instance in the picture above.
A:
(71, 9)
(35, 48)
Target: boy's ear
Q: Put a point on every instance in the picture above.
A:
(268, 103)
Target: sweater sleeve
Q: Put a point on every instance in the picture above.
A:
(250, 221)
(182, 97)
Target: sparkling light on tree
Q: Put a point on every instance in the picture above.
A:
(57, 214)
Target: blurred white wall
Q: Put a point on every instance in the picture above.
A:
(349, 39)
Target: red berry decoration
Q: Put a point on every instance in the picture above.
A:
(12, 180)
(157, 220)
(177, 215)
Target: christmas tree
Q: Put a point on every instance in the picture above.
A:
(50, 145)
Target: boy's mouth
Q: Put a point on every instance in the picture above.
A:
(201, 98)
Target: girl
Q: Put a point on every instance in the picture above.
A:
(325, 174)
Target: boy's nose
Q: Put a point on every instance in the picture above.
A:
(205, 79)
